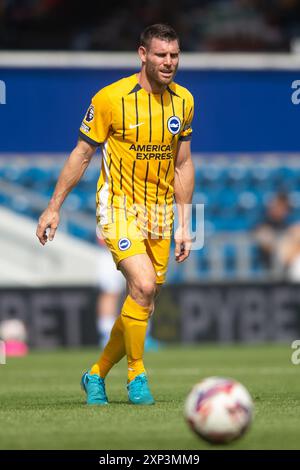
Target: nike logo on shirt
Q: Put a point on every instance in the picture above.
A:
(133, 126)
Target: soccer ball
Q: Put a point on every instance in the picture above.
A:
(219, 410)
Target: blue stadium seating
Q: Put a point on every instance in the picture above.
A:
(234, 196)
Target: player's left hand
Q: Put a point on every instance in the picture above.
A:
(183, 243)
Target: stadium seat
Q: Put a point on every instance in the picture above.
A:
(234, 197)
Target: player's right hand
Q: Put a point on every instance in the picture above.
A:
(48, 220)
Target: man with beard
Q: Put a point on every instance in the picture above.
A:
(143, 125)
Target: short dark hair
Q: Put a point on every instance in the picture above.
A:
(158, 31)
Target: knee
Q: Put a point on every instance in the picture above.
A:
(144, 291)
(147, 288)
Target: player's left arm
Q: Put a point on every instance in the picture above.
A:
(183, 192)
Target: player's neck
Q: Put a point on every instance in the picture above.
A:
(149, 85)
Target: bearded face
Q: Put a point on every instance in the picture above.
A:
(160, 60)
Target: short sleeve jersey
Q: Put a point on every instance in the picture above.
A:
(138, 133)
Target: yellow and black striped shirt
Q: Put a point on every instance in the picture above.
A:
(139, 133)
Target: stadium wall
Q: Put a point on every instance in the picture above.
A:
(224, 313)
(242, 103)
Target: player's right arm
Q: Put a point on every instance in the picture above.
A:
(70, 175)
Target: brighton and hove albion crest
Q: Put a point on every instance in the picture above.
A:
(174, 124)
(124, 244)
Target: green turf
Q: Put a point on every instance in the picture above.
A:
(42, 407)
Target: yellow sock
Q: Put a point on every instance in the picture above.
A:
(135, 320)
(113, 351)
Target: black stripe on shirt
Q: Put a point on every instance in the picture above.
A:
(165, 212)
(123, 117)
(150, 118)
(157, 186)
(133, 170)
(166, 175)
(166, 194)
(146, 177)
(112, 189)
(136, 118)
(121, 176)
(163, 118)
(158, 181)
(172, 101)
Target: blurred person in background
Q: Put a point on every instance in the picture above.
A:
(283, 14)
(289, 253)
(13, 332)
(269, 232)
(238, 25)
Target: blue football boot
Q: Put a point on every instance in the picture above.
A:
(94, 387)
(138, 391)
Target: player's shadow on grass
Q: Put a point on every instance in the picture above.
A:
(126, 403)
(111, 402)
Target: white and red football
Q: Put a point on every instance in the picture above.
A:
(219, 409)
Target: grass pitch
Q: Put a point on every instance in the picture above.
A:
(42, 406)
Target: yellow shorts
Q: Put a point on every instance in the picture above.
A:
(124, 239)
